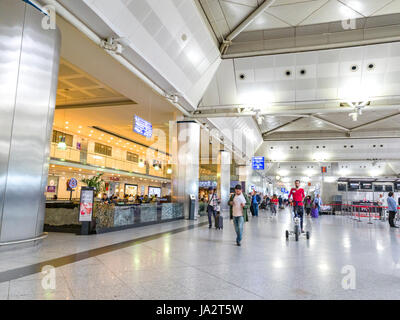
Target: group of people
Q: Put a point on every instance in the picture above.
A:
(129, 199)
(240, 203)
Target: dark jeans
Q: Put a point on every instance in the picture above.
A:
(299, 211)
(391, 218)
(211, 214)
(255, 209)
(308, 211)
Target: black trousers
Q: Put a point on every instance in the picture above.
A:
(391, 218)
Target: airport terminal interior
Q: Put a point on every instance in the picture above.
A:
(199, 149)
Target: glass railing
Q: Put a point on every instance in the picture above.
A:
(102, 161)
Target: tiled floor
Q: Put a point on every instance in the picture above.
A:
(206, 264)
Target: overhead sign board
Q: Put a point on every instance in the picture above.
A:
(142, 127)
(258, 163)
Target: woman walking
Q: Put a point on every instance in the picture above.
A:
(274, 204)
(308, 205)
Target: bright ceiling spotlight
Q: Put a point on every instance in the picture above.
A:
(278, 178)
(261, 98)
(309, 172)
(330, 179)
(344, 172)
(61, 144)
(277, 156)
(375, 172)
(141, 164)
(283, 172)
(320, 156)
(169, 171)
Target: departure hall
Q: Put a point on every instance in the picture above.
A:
(199, 150)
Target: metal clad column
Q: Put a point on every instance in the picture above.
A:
(224, 178)
(30, 59)
(186, 170)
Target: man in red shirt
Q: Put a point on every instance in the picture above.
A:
(297, 195)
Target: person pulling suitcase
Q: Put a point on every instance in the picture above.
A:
(219, 219)
(213, 202)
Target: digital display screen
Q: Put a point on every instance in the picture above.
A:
(388, 188)
(378, 187)
(354, 185)
(341, 187)
(258, 163)
(366, 185)
(142, 127)
(397, 185)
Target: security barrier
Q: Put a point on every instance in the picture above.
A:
(358, 213)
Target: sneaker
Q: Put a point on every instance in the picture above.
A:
(238, 244)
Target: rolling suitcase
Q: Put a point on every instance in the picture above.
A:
(219, 221)
(314, 212)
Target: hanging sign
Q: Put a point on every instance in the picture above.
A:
(142, 127)
(258, 163)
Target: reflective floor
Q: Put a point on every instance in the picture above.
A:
(344, 259)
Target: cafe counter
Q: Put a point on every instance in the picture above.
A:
(64, 216)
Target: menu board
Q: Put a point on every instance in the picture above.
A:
(86, 205)
(155, 191)
(142, 127)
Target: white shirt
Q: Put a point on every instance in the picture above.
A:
(237, 210)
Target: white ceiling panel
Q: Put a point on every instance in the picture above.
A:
(267, 21)
(314, 76)
(169, 35)
(235, 13)
(331, 11)
(366, 7)
(242, 132)
(294, 14)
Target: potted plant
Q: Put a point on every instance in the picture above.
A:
(95, 182)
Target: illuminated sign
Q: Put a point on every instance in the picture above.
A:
(258, 163)
(86, 204)
(142, 127)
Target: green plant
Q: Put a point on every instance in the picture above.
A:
(95, 182)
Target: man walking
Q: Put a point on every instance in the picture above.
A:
(239, 203)
(213, 202)
(255, 202)
(392, 208)
(318, 202)
(298, 196)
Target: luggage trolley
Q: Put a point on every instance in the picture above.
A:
(297, 230)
